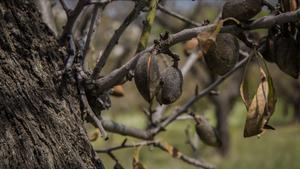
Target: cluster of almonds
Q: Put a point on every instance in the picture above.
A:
(224, 53)
(166, 86)
(283, 42)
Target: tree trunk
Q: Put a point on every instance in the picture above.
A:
(38, 127)
(296, 106)
(224, 104)
(222, 111)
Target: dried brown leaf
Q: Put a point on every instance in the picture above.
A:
(93, 136)
(244, 88)
(136, 164)
(262, 106)
(171, 150)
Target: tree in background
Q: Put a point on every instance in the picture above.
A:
(47, 92)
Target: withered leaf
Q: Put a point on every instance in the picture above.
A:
(93, 136)
(207, 39)
(171, 150)
(262, 106)
(244, 88)
(136, 164)
(289, 5)
(118, 91)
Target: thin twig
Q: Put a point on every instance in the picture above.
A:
(87, 108)
(269, 21)
(189, 140)
(72, 17)
(269, 5)
(115, 38)
(71, 52)
(121, 129)
(178, 16)
(165, 147)
(92, 27)
(65, 6)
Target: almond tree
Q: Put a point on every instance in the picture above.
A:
(47, 95)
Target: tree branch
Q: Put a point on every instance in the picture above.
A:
(121, 129)
(65, 6)
(165, 147)
(178, 16)
(72, 16)
(118, 75)
(149, 134)
(87, 109)
(195, 98)
(115, 38)
(269, 21)
(92, 27)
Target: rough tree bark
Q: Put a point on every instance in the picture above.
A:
(38, 127)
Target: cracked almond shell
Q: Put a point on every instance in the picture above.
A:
(146, 76)
(170, 86)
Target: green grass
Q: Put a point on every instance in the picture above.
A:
(273, 150)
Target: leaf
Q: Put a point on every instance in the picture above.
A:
(272, 98)
(262, 106)
(293, 5)
(244, 92)
(207, 39)
(244, 88)
(136, 164)
(118, 91)
(171, 150)
(93, 136)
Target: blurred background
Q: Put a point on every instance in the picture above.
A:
(272, 150)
